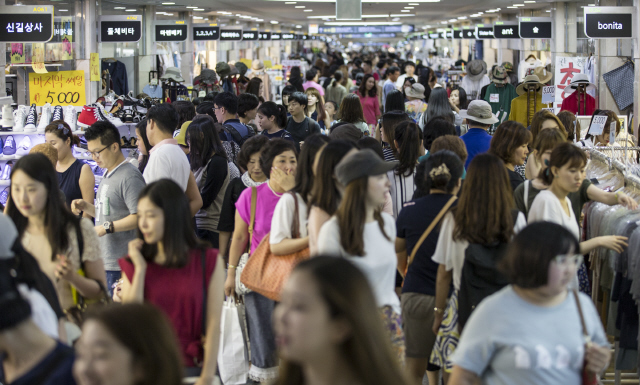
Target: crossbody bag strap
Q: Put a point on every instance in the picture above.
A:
(430, 228)
(252, 220)
(203, 262)
(582, 322)
(526, 196)
(295, 226)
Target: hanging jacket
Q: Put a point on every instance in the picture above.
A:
(570, 103)
(118, 72)
(519, 109)
(502, 108)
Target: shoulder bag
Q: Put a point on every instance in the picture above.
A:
(241, 289)
(428, 231)
(265, 272)
(588, 378)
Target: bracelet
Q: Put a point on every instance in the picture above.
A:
(439, 311)
(617, 195)
(232, 267)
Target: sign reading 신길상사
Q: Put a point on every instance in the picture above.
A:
(63, 88)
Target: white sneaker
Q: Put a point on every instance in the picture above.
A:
(19, 117)
(7, 118)
(45, 118)
(104, 115)
(70, 116)
(32, 118)
(23, 147)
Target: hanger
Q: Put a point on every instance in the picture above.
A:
(109, 60)
(531, 56)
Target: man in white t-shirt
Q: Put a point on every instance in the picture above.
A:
(166, 158)
(409, 72)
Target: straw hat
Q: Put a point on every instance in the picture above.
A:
(415, 91)
(529, 81)
(543, 74)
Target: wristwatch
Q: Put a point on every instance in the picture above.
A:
(108, 227)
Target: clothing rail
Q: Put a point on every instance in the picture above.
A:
(633, 181)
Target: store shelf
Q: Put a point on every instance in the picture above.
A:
(7, 133)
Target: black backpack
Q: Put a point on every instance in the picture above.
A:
(235, 135)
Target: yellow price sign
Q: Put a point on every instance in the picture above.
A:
(95, 67)
(58, 88)
(39, 68)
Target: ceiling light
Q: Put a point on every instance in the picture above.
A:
(443, 22)
(224, 13)
(119, 7)
(518, 5)
(548, 10)
(129, 10)
(191, 7)
(63, 10)
(409, 7)
(529, 2)
(366, 1)
(168, 3)
(273, 22)
(403, 15)
(168, 14)
(452, 20)
(361, 23)
(198, 17)
(308, 10)
(300, 6)
(199, 9)
(298, 26)
(462, 18)
(290, 2)
(405, 10)
(512, 7)
(395, 19)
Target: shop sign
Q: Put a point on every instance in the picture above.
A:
(434, 35)
(425, 36)
(63, 88)
(288, 64)
(249, 35)
(457, 33)
(608, 22)
(288, 36)
(120, 29)
(206, 33)
(62, 28)
(276, 36)
(448, 34)
(468, 33)
(502, 30)
(231, 34)
(484, 32)
(536, 27)
(172, 32)
(303, 37)
(264, 36)
(566, 68)
(28, 24)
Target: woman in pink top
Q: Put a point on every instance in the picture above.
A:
(368, 94)
(278, 161)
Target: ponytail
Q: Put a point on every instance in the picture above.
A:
(337, 77)
(270, 109)
(563, 154)
(281, 117)
(75, 140)
(407, 134)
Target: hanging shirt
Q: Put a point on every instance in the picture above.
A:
(519, 109)
(153, 91)
(118, 72)
(570, 103)
(500, 100)
(473, 87)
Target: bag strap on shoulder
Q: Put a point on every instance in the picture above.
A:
(430, 228)
(295, 224)
(204, 292)
(582, 322)
(526, 196)
(252, 220)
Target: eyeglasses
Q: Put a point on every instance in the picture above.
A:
(96, 154)
(217, 108)
(565, 259)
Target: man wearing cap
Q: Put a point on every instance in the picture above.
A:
(579, 102)
(475, 79)
(499, 95)
(479, 118)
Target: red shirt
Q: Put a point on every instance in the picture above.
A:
(178, 293)
(570, 103)
(370, 107)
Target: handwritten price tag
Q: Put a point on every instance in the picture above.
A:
(548, 94)
(39, 68)
(597, 125)
(58, 88)
(95, 67)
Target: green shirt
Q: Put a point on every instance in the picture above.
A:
(502, 107)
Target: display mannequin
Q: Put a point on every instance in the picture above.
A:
(527, 66)
(257, 70)
(500, 94)
(528, 102)
(579, 101)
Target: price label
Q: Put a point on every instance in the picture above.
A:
(612, 133)
(39, 68)
(95, 67)
(63, 88)
(548, 94)
(597, 125)
(494, 98)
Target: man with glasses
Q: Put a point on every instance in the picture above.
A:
(117, 199)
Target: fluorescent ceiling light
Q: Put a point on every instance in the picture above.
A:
(361, 23)
(224, 13)
(403, 15)
(405, 10)
(443, 22)
(529, 2)
(168, 3)
(300, 6)
(518, 5)
(366, 1)
(191, 7)
(273, 22)
(199, 9)
(119, 7)
(512, 7)
(260, 20)
(298, 26)
(409, 7)
(129, 10)
(462, 18)
(63, 10)
(198, 17)
(308, 10)
(290, 2)
(395, 19)
(452, 20)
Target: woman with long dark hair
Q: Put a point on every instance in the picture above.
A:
(295, 79)
(328, 328)
(326, 193)
(368, 94)
(141, 345)
(510, 143)
(362, 233)
(255, 87)
(484, 215)
(439, 105)
(407, 142)
(315, 109)
(168, 266)
(272, 119)
(335, 92)
(61, 243)
(351, 112)
(210, 167)
(143, 144)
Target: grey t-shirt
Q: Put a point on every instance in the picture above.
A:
(511, 341)
(117, 198)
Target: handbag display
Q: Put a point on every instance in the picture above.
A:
(265, 272)
(587, 377)
(241, 289)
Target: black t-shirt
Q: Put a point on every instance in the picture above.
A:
(282, 134)
(515, 179)
(300, 131)
(54, 369)
(228, 212)
(413, 220)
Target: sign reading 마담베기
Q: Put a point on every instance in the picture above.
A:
(536, 27)
(120, 29)
(27, 24)
(503, 30)
(172, 32)
(230, 34)
(608, 22)
(206, 33)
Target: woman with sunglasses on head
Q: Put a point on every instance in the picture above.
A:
(508, 339)
(61, 243)
(168, 266)
(75, 177)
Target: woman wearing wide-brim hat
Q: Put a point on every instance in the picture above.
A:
(579, 103)
(416, 106)
(528, 102)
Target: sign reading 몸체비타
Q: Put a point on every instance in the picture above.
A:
(608, 22)
(536, 27)
(172, 32)
(27, 24)
(206, 33)
(120, 29)
(502, 30)
(230, 34)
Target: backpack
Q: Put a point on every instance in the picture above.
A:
(235, 135)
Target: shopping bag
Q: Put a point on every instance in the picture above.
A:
(232, 365)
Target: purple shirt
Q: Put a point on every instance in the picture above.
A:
(313, 84)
